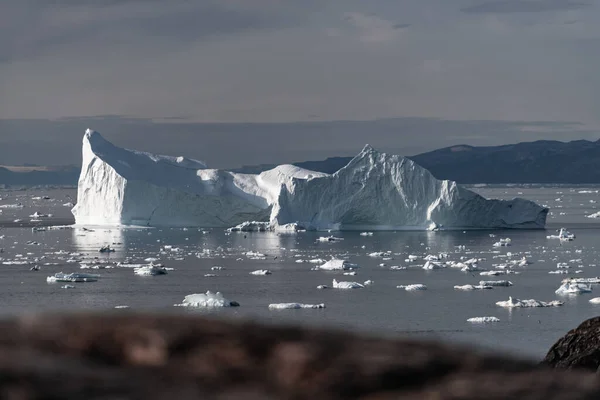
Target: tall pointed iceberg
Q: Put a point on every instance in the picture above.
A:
(374, 191)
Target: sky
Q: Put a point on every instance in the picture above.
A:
(240, 82)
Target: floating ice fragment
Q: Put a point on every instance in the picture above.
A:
(337, 265)
(513, 303)
(346, 285)
(573, 288)
(483, 320)
(73, 277)
(495, 283)
(261, 272)
(293, 306)
(472, 287)
(413, 287)
(208, 299)
(150, 270)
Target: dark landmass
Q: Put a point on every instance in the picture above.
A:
(578, 349)
(148, 357)
(39, 176)
(544, 161)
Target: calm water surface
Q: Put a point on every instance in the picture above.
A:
(439, 312)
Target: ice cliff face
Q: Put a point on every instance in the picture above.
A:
(374, 191)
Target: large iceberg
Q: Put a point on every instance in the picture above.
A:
(374, 191)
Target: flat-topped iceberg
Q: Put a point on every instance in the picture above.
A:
(293, 306)
(337, 265)
(483, 320)
(514, 303)
(208, 299)
(374, 191)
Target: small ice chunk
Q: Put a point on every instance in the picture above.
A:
(503, 243)
(495, 283)
(472, 287)
(512, 303)
(329, 239)
(595, 300)
(483, 320)
(346, 285)
(413, 287)
(208, 299)
(261, 272)
(293, 306)
(337, 265)
(150, 270)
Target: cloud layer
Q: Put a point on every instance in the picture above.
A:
(237, 61)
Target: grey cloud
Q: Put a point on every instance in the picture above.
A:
(52, 25)
(524, 6)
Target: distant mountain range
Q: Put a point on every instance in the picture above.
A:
(542, 161)
(39, 175)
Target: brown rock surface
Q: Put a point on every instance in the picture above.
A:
(579, 348)
(148, 357)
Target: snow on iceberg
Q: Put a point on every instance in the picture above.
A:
(512, 303)
(293, 306)
(374, 191)
(208, 299)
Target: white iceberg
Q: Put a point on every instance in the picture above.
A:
(250, 226)
(73, 277)
(150, 270)
(483, 320)
(513, 303)
(503, 243)
(374, 191)
(208, 299)
(591, 281)
(495, 283)
(261, 272)
(573, 288)
(413, 287)
(337, 265)
(595, 300)
(293, 306)
(563, 235)
(347, 285)
(472, 287)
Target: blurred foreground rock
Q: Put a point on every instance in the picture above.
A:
(149, 357)
(579, 348)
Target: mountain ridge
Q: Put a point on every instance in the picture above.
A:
(541, 161)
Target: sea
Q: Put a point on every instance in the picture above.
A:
(36, 230)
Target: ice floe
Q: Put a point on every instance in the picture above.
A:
(291, 306)
(208, 299)
(483, 320)
(514, 303)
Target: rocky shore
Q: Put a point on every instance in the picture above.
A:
(132, 356)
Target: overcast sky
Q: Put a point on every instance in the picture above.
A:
(417, 74)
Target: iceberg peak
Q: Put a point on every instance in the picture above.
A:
(374, 191)
(368, 149)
